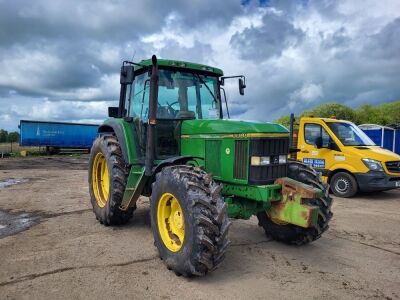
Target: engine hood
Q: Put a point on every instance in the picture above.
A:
(373, 152)
(235, 127)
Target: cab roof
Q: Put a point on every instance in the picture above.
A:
(327, 119)
(182, 65)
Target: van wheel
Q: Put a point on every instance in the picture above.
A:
(343, 185)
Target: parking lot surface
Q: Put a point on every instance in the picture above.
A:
(52, 247)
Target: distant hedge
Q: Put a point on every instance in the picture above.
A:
(8, 137)
(383, 114)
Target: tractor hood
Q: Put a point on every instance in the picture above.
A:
(228, 127)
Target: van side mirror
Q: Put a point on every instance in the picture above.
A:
(318, 142)
(242, 86)
(113, 112)
(127, 75)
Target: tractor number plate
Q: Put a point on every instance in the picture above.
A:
(397, 183)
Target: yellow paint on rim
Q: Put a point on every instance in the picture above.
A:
(100, 179)
(170, 222)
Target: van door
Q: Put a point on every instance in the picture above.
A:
(323, 158)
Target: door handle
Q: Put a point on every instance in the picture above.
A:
(305, 151)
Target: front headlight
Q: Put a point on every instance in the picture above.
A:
(282, 159)
(372, 164)
(260, 160)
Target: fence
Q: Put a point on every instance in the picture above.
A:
(7, 148)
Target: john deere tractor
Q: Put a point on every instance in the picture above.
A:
(168, 140)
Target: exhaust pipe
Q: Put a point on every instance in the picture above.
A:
(150, 145)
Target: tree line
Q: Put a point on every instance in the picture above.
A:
(8, 137)
(383, 114)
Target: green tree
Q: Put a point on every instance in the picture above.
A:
(391, 111)
(368, 114)
(336, 110)
(3, 136)
(284, 120)
(13, 137)
(383, 114)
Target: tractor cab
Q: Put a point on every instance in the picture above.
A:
(185, 91)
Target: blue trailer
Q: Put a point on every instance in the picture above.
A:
(383, 136)
(57, 134)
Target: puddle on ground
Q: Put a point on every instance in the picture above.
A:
(12, 181)
(13, 223)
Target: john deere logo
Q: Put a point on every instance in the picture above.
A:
(227, 151)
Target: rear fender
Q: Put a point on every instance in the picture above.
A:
(127, 138)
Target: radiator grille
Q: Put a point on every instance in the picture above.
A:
(241, 158)
(213, 157)
(269, 146)
(393, 166)
(272, 147)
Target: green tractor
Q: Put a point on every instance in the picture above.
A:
(168, 140)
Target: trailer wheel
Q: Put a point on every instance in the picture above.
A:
(292, 234)
(189, 220)
(343, 185)
(107, 181)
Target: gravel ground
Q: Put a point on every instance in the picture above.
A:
(51, 247)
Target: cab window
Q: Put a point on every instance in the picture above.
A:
(313, 131)
(139, 104)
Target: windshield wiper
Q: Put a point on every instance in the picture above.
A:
(205, 84)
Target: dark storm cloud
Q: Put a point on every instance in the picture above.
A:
(270, 39)
(78, 36)
(198, 53)
(60, 59)
(386, 43)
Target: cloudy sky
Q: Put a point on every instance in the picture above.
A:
(59, 60)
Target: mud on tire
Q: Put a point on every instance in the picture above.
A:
(292, 234)
(110, 214)
(205, 220)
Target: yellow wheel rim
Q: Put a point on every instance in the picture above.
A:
(100, 179)
(171, 222)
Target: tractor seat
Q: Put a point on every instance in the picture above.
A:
(182, 114)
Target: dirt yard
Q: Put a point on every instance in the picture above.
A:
(51, 247)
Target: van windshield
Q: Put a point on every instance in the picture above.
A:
(349, 134)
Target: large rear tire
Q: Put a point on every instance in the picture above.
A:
(189, 220)
(292, 234)
(107, 181)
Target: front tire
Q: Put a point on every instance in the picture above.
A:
(107, 181)
(189, 220)
(344, 185)
(292, 234)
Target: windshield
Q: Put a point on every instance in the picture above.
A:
(349, 134)
(187, 95)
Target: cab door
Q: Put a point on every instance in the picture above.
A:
(323, 158)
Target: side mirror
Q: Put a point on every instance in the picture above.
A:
(127, 75)
(242, 86)
(113, 112)
(318, 142)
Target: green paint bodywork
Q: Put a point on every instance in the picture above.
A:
(213, 144)
(129, 135)
(180, 64)
(222, 127)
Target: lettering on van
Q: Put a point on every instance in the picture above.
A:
(315, 162)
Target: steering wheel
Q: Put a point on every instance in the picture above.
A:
(172, 104)
(169, 109)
